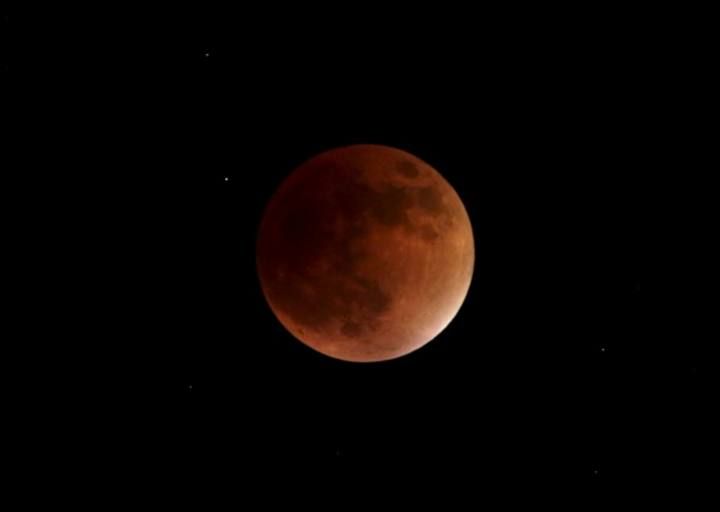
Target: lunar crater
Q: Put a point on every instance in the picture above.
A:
(407, 169)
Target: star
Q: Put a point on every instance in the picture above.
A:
(207, 54)
(602, 349)
(227, 178)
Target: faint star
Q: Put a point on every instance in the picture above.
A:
(207, 54)
(603, 349)
(190, 387)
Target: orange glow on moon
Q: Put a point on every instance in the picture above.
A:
(365, 253)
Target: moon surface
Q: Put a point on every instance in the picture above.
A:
(365, 253)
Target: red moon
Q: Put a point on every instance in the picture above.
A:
(365, 253)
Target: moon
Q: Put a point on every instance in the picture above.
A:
(365, 253)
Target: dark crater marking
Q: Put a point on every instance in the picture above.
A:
(407, 169)
(307, 233)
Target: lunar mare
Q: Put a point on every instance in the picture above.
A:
(365, 253)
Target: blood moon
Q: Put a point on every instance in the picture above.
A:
(365, 253)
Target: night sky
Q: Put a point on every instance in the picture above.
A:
(574, 362)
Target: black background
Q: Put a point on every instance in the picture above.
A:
(575, 362)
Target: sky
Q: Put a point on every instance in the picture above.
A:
(572, 363)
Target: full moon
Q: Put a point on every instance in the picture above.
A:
(365, 253)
